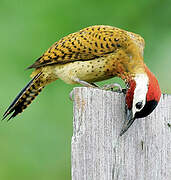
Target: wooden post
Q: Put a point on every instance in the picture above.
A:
(142, 153)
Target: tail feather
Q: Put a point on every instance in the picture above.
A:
(24, 98)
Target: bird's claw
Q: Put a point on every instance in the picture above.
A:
(112, 86)
(105, 87)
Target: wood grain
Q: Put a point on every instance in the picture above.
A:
(98, 153)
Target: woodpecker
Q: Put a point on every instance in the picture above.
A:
(90, 55)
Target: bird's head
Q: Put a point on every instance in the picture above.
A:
(142, 97)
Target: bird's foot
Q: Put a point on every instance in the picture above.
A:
(85, 84)
(114, 87)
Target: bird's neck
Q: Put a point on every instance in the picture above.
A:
(129, 70)
(154, 91)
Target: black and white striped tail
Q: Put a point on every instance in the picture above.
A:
(24, 98)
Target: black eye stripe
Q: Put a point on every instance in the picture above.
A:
(139, 105)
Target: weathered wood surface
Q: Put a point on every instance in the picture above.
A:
(142, 153)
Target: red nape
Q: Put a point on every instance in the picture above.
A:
(130, 93)
(154, 92)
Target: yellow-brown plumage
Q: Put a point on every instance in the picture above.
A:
(94, 53)
(91, 54)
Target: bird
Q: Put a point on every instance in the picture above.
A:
(93, 54)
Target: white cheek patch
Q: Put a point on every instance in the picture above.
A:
(140, 91)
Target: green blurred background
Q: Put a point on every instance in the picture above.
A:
(36, 144)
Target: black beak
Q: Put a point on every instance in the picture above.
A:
(128, 121)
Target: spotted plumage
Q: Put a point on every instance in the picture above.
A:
(90, 43)
(93, 54)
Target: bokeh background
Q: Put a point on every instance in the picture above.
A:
(36, 144)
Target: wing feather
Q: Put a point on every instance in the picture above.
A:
(86, 44)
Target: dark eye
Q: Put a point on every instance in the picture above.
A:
(139, 105)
